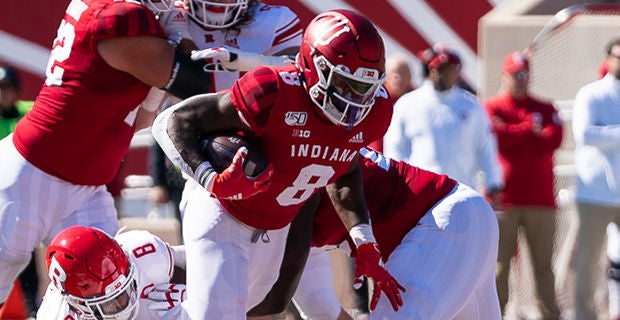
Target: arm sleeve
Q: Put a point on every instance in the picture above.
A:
(288, 31)
(178, 253)
(510, 136)
(395, 143)
(585, 129)
(553, 130)
(126, 19)
(254, 94)
(487, 151)
(151, 255)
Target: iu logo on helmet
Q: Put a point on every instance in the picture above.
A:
(335, 27)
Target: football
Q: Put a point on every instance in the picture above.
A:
(220, 149)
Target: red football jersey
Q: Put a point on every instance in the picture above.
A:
(82, 121)
(526, 158)
(306, 149)
(397, 195)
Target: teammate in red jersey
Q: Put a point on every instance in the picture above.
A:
(107, 56)
(310, 120)
(438, 238)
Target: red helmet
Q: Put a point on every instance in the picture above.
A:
(342, 61)
(93, 272)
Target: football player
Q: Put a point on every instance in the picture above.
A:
(239, 35)
(107, 56)
(439, 238)
(95, 276)
(236, 36)
(310, 120)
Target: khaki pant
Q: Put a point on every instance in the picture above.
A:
(592, 223)
(538, 225)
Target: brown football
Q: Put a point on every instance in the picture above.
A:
(220, 148)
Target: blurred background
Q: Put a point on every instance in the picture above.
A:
(482, 31)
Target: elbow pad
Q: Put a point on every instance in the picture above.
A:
(187, 77)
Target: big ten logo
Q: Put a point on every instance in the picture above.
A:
(117, 284)
(301, 133)
(295, 118)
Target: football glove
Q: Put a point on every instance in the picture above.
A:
(231, 59)
(165, 297)
(232, 183)
(368, 263)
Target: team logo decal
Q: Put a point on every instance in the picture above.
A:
(337, 26)
(57, 273)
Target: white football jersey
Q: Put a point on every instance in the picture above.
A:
(154, 264)
(273, 29)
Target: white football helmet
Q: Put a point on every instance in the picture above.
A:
(217, 14)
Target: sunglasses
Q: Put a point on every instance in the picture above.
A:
(521, 75)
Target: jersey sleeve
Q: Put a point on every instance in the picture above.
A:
(487, 148)
(152, 256)
(54, 306)
(511, 135)
(288, 31)
(254, 95)
(126, 19)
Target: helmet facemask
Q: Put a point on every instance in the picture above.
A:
(345, 98)
(216, 15)
(120, 302)
(159, 6)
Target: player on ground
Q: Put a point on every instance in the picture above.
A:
(438, 238)
(309, 120)
(95, 276)
(107, 56)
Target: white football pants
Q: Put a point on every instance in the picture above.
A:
(446, 263)
(230, 266)
(35, 206)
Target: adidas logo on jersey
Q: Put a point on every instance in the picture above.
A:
(358, 138)
(179, 17)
